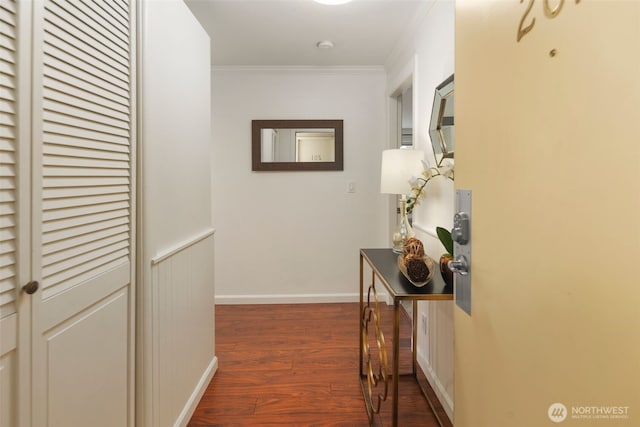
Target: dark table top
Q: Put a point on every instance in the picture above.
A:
(384, 263)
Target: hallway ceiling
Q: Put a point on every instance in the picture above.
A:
(285, 32)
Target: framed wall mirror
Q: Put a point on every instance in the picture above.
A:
(441, 129)
(296, 145)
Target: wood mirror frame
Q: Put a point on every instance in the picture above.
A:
(256, 152)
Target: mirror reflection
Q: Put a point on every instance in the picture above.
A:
(279, 145)
(441, 127)
(297, 145)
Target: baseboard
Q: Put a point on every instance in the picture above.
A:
(198, 392)
(286, 298)
(436, 385)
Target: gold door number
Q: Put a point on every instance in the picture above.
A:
(549, 11)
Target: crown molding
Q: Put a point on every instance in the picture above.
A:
(332, 69)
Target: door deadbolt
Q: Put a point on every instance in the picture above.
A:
(31, 287)
(460, 232)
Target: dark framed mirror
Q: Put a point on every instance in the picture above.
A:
(441, 126)
(296, 145)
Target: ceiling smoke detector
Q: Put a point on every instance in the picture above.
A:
(324, 44)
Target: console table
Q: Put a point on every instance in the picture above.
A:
(375, 385)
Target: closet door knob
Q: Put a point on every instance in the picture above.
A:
(31, 287)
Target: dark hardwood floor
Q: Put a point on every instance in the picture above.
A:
(297, 365)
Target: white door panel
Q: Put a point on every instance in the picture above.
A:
(83, 210)
(67, 177)
(10, 273)
(8, 162)
(8, 370)
(58, 309)
(87, 365)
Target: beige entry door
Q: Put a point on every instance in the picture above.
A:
(548, 139)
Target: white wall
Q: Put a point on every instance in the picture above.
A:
(176, 303)
(295, 236)
(426, 56)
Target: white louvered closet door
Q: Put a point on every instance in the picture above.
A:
(14, 200)
(83, 212)
(8, 160)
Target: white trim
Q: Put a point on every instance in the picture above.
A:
(333, 69)
(404, 78)
(133, 200)
(383, 296)
(198, 392)
(182, 246)
(24, 129)
(285, 298)
(439, 389)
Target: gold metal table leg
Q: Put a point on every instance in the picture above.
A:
(396, 359)
(374, 374)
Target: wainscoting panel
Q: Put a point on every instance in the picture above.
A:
(183, 317)
(435, 356)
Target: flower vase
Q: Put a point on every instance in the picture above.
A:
(403, 231)
(445, 271)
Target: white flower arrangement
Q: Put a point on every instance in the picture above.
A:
(419, 183)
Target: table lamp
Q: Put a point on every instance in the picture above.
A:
(398, 167)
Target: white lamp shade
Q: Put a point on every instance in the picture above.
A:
(398, 167)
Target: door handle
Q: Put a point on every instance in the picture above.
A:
(460, 265)
(31, 287)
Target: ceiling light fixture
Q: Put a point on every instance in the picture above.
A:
(324, 44)
(332, 2)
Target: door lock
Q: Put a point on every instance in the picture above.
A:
(459, 265)
(461, 236)
(460, 231)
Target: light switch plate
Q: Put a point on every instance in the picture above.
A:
(463, 282)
